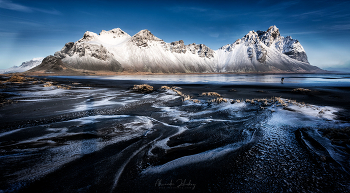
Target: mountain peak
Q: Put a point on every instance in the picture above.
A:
(269, 36)
(88, 36)
(272, 29)
(250, 37)
(144, 31)
(251, 34)
(146, 34)
(142, 37)
(115, 32)
(274, 32)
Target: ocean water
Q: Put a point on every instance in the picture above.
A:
(239, 79)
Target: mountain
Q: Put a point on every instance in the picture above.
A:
(52, 64)
(23, 67)
(115, 50)
(264, 51)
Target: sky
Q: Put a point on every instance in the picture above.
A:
(38, 28)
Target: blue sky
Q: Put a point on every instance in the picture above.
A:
(38, 28)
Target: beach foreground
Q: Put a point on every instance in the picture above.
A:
(78, 134)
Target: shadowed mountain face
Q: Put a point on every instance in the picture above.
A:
(115, 50)
(51, 64)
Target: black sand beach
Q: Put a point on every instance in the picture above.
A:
(62, 134)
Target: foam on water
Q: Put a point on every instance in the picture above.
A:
(167, 97)
(173, 113)
(94, 119)
(10, 132)
(316, 111)
(32, 100)
(304, 116)
(142, 123)
(206, 156)
(56, 132)
(44, 91)
(90, 104)
(231, 107)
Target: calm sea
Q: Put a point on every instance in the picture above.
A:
(270, 79)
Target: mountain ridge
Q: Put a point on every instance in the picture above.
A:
(115, 50)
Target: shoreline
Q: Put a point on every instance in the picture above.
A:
(78, 72)
(104, 73)
(320, 94)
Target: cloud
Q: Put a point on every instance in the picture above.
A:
(8, 4)
(283, 5)
(335, 27)
(335, 10)
(214, 35)
(340, 15)
(304, 32)
(19, 20)
(88, 13)
(311, 13)
(5, 4)
(182, 9)
(8, 34)
(53, 12)
(341, 27)
(33, 24)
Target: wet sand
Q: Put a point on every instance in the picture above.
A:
(100, 136)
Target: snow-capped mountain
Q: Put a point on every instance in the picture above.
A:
(263, 51)
(24, 66)
(115, 50)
